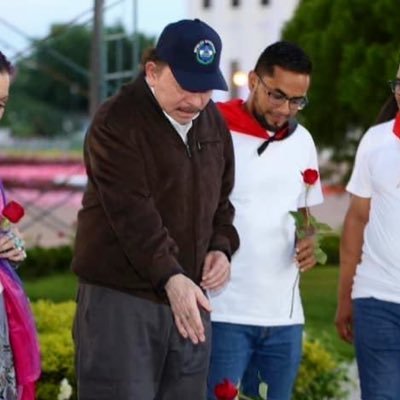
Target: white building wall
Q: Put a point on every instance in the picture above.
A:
(245, 30)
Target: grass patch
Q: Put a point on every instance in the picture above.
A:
(318, 289)
(58, 288)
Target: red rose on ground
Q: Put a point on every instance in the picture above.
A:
(13, 211)
(310, 176)
(225, 390)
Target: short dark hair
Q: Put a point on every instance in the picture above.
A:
(388, 110)
(287, 55)
(5, 65)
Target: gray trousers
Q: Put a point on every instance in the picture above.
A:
(128, 348)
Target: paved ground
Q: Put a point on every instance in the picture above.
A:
(333, 210)
(58, 210)
(353, 386)
(50, 218)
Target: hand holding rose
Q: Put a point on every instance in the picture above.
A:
(12, 245)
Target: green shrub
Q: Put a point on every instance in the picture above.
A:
(53, 318)
(45, 261)
(54, 322)
(320, 375)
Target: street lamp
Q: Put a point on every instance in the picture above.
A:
(239, 78)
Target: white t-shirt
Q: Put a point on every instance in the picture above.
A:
(263, 276)
(376, 175)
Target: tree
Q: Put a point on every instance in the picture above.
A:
(53, 81)
(354, 46)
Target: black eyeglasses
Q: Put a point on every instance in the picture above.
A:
(277, 98)
(395, 86)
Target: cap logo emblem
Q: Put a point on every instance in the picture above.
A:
(205, 52)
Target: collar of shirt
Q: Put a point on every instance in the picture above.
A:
(181, 129)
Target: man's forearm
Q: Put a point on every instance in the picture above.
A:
(350, 253)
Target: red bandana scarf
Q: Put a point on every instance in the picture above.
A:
(240, 120)
(396, 126)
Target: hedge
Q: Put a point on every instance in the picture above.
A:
(43, 261)
(54, 323)
(320, 375)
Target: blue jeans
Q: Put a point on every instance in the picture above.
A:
(269, 354)
(377, 343)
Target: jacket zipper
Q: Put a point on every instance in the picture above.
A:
(189, 152)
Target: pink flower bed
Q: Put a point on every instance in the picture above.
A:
(39, 172)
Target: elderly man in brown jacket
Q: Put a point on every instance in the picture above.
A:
(155, 230)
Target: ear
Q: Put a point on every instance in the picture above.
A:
(252, 80)
(150, 70)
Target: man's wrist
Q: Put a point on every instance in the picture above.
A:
(171, 278)
(163, 282)
(224, 251)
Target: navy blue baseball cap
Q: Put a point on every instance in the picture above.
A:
(192, 50)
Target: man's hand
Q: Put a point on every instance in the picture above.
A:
(185, 298)
(216, 271)
(344, 320)
(305, 257)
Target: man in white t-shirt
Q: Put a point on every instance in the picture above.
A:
(369, 284)
(258, 317)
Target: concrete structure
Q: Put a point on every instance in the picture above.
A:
(246, 28)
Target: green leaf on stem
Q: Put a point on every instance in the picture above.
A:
(320, 255)
(299, 219)
(263, 390)
(311, 226)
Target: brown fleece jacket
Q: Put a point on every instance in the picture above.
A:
(153, 206)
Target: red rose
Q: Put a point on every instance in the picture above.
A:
(310, 176)
(13, 211)
(225, 390)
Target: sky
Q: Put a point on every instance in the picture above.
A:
(33, 18)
